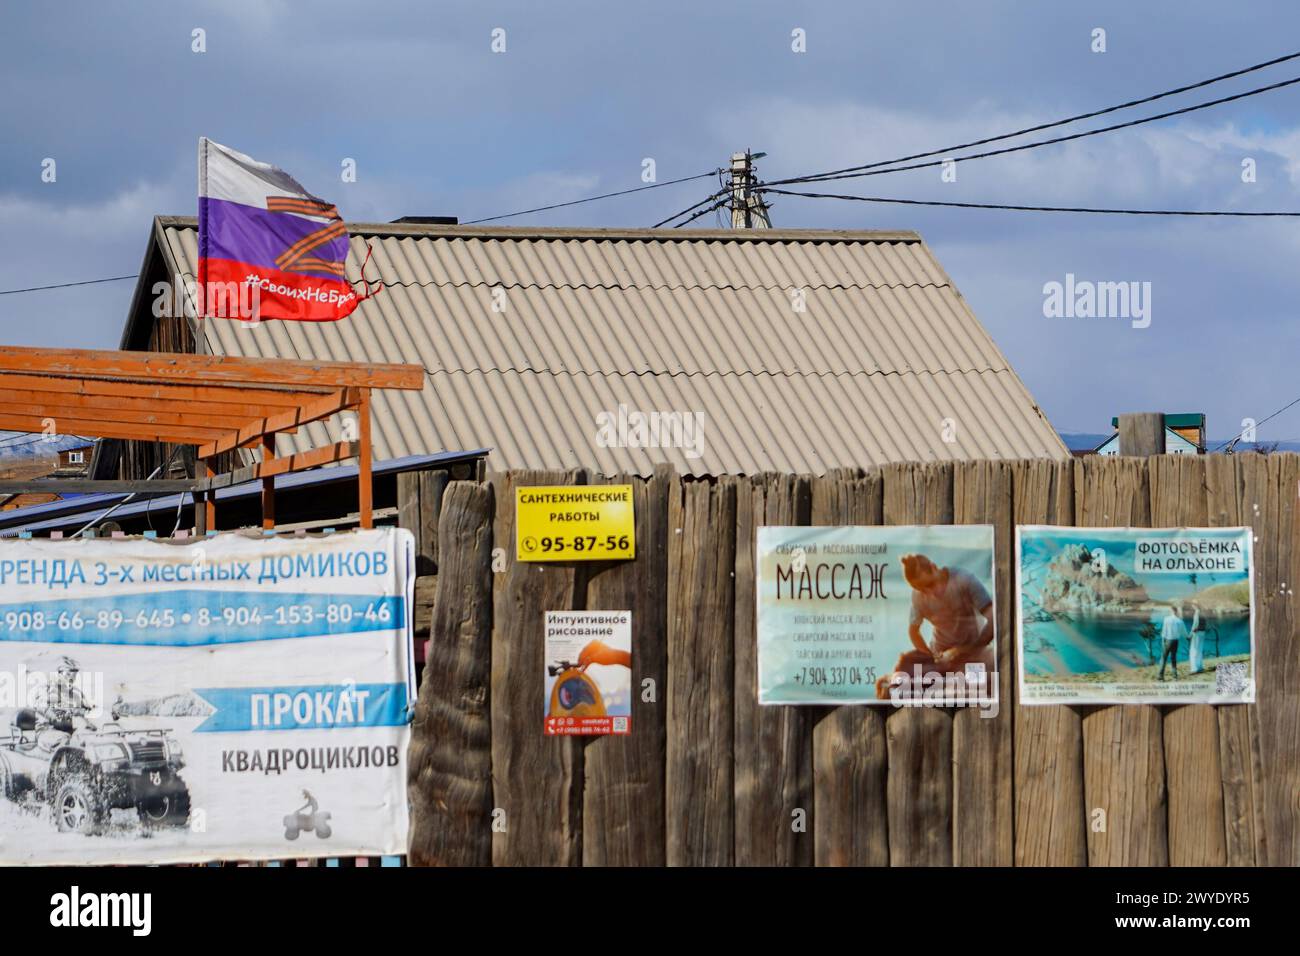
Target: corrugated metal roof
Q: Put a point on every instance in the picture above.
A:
(529, 335)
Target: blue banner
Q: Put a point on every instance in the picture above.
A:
(195, 618)
(303, 707)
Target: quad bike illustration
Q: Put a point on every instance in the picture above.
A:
(307, 819)
(83, 772)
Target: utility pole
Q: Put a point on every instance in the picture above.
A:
(748, 211)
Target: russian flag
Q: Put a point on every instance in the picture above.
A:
(259, 229)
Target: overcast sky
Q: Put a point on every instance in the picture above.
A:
(439, 124)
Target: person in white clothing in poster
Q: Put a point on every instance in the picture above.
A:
(1172, 630)
(1195, 661)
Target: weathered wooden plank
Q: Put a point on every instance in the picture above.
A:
(701, 673)
(1252, 475)
(1193, 777)
(432, 486)
(623, 797)
(850, 751)
(773, 770)
(1123, 745)
(419, 503)
(1050, 820)
(408, 508)
(1273, 485)
(426, 593)
(537, 779)
(450, 765)
(919, 785)
(983, 763)
(1238, 746)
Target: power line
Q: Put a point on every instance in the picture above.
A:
(575, 202)
(472, 222)
(1073, 119)
(1016, 208)
(67, 285)
(873, 170)
(703, 212)
(1242, 433)
(688, 209)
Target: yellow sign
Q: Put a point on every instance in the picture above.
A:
(575, 523)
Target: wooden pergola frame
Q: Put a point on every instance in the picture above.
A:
(215, 403)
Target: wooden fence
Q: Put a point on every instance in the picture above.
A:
(709, 778)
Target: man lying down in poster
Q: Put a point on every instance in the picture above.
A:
(960, 613)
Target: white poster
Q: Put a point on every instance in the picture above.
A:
(588, 684)
(1136, 615)
(893, 615)
(229, 697)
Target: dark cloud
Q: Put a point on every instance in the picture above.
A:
(438, 124)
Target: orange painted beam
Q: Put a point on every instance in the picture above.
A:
(241, 410)
(271, 397)
(324, 455)
(206, 369)
(365, 493)
(113, 414)
(318, 408)
(268, 484)
(176, 434)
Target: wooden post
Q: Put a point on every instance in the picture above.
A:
(983, 763)
(700, 801)
(773, 746)
(450, 770)
(537, 781)
(849, 746)
(268, 485)
(1050, 817)
(1123, 744)
(1142, 434)
(919, 785)
(624, 776)
(209, 499)
(364, 477)
(1193, 775)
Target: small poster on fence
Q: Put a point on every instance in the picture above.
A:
(865, 615)
(1135, 615)
(588, 673)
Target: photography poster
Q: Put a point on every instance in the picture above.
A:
(1135, 615)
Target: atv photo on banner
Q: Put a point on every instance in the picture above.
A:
(216, 699)
(57, 757)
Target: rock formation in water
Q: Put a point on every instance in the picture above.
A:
(1073, 586)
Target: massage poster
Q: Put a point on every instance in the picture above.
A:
(1135, 615)
(900, 615)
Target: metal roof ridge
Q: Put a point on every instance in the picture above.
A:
(773, 287)
(719, 373)
(464, 231)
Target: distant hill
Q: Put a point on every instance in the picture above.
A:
(23, 445)
(1086, 441)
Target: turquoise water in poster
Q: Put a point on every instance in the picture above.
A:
(1135, 615)
(836, 609)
